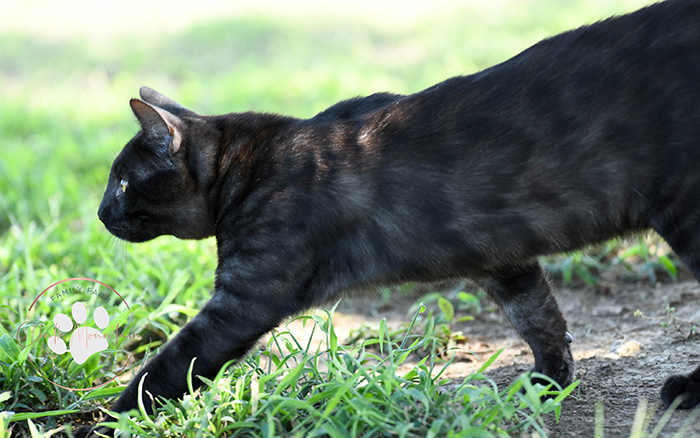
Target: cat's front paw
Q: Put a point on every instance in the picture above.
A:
(681, 386)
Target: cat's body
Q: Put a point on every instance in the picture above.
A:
(584, 137)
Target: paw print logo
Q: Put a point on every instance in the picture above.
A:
(85, 341)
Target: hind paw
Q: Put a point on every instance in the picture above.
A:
(681, 385)
(561, 370)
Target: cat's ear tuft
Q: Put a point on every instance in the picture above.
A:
(158, 123)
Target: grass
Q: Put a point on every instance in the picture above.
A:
(642, 420)
(340, 391)
(63, 117)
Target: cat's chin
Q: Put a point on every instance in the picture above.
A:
(132, 237)
(142, 235)
(140, 238)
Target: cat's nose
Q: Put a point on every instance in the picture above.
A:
(101, 213)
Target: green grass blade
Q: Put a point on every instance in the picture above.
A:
(27, 415)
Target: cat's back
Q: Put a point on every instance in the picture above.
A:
(630, 78)
(597, 125)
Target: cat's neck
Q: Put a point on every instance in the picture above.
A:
(244, 150)
(242, 135)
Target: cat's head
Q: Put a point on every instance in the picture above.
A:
(159, 182)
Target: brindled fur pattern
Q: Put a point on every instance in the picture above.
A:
(584, 137)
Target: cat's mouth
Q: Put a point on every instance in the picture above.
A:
(128, 232)
(137, 230)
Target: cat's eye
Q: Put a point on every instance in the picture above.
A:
(123, 185)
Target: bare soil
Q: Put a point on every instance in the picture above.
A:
(606, 335)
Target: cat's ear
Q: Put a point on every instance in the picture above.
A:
(158, 123)
(153, 97)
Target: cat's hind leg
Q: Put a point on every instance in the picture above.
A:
(686, 385)
(525, 295)
(682, 233)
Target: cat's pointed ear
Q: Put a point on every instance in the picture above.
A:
(149, 95)
(158, 123)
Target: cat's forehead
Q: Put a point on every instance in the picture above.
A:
(138, 158)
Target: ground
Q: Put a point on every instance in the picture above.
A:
(600, 322)
(606, 333)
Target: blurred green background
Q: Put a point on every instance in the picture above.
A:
(68, 69)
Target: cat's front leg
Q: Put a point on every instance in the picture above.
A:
(225, 329)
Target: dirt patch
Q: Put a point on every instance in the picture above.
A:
(620, 358)
(603, 324)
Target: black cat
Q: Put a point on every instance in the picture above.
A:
(586, 136)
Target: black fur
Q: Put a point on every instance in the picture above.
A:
(586, 136)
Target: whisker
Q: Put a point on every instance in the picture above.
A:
(124, 256)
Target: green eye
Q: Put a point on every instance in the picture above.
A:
(123, 185)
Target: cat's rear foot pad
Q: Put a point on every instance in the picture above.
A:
(681, 385)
